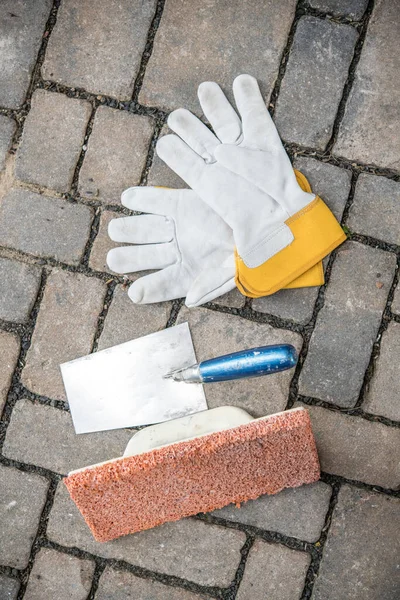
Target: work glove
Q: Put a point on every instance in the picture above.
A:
(244, 174)
(183, 237)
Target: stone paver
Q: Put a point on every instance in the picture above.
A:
(298, 513)
(48, 227)
(215, 334)
(8, 587)
(328, 181)
(356, 448)
(99, 49)
(7, 128)
(22, 498)
(369, 130)
(356, 296)
(9, 351)
(353, 8)
(127, 321)
(116, 154)
(273, 571)
(52, 139)
(120, 585)
(45, 436)
(313, 83)
(19, 285)
(57, 575)
(333, 185)
(383, 396)
(396, 300)
(62, 332)
(375, 209)
(203, 553)
(361, 556)
(21, 28)
(192, 46)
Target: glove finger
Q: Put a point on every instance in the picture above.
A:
(210, 284)
(156, 200)
(258, 127)
(129, 259)
(142, 229)
(168, 284)
(182, 159)
(192, 131)
(219, 112)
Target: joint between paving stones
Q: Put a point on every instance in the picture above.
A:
(121, 565)
(21, 113)
(330, 16)
(351, 75)
(102, 316)
(231, 592)
(318, 547)
(284, 58)
(148, 49)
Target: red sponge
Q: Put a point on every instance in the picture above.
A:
(199, 475)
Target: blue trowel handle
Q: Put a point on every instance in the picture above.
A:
(254, 362)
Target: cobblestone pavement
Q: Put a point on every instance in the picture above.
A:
(85, 89)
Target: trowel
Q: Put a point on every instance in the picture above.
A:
(124, 386)
(143, 382)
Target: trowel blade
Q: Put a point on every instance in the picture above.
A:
(123, 386)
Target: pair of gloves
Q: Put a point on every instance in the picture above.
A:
(248, 220)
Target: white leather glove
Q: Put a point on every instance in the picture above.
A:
(245, 175)
(183, 237)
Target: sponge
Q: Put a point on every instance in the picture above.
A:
(201, 474)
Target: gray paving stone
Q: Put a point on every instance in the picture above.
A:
(333, 185)
(233, 299)
(19, 285)
(45, 436)
(375, 209)
(396, 300)
(52, 139)
(48, 227)
(273, 571)
(116, 154)
(9, 351)
(121, 585)
(99, 49)
(383, 395)
(356, 448)
(57, 575)
(296, 305)
(361, 554)
(8, 587)
(369, 129)
(191, 549)
(313, 83)
(22, 498)
(127, 321)
(7, 128)
(349, 8)
(215, 334)
(298, 512)
(65, 329)
(347, 325)
(21, 29)
(328, 181)
(181, 59)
